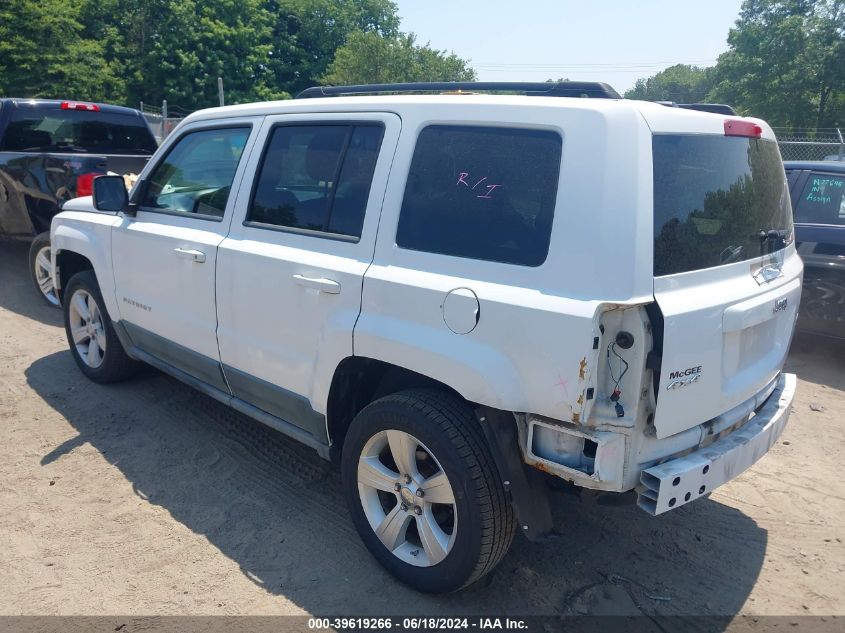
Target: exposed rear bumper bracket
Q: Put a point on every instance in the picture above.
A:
(674, 483)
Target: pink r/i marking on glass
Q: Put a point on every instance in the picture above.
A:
(479, 182)
(490, 189)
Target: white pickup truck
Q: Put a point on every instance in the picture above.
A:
(457, 296)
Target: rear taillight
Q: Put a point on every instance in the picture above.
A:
(85, 184)
(738, 127)
(78, 105)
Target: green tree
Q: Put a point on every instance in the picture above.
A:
(786, 62)
(43, 53)
(126, 51)
(176, 49)
(373, 58)
(263, 49)
(307, 34)
(681, 83)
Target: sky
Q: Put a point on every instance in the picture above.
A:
(615, 41)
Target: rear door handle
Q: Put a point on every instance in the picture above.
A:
(322, 284)
(189, 253)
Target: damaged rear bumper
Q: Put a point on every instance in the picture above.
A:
(679, 481)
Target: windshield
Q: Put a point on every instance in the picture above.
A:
(717, 200)
(38, 129)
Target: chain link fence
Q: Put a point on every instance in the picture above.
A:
(819, 144)
(162, 119)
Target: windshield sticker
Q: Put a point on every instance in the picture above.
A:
(823, 189)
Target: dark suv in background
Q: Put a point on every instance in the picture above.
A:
(50, 152)
(818, 205)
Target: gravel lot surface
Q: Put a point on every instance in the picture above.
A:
(150, 498)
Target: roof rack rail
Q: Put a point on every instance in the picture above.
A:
(592, 89)
(715, 108)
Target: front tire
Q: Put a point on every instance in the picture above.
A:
(93, 342)
(424, 492)
(41, 269)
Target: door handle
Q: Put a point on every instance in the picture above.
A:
(322, 284)
(189, 253)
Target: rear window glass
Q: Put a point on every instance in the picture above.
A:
(822, 201)
(717, 200)
(482, 192)
(54, 130)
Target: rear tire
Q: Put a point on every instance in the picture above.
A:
(41, 269)
(461, 526)
(93, 342)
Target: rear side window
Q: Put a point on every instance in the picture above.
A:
(317, 178)
(822, 201)
(196, 175)
(39, 129)
(717, 200)
(482, 192)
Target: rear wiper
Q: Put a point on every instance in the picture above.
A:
(772, 240)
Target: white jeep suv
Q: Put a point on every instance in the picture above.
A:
(457, 296)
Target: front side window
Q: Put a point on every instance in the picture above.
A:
(317, 177)
(822, 201)
(196, 175)
(482, 192)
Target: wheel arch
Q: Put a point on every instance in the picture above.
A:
(81, 246)
(68, 263)
(358, 381)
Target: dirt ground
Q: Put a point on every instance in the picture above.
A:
(150, 498)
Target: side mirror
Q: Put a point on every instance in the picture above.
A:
(110, 194)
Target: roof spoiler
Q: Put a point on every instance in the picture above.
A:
(715, 108)
(591, 89)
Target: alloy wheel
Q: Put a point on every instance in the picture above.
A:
(44, 275)
(87, 328)
(407, 498)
